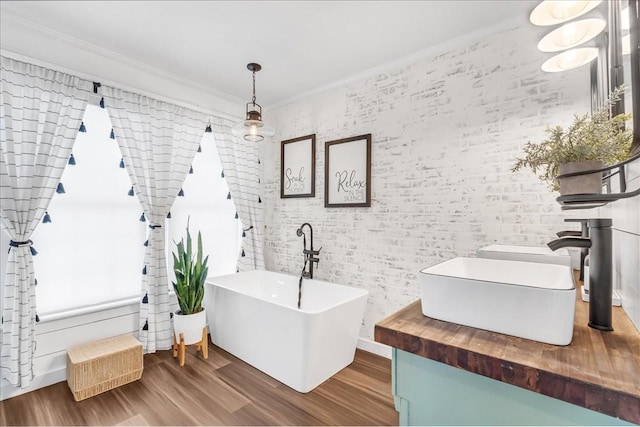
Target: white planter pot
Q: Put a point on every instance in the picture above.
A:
(190, 325)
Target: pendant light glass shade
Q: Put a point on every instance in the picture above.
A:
(570, 59)
(253, 129)
(553, 12)
(571, 35)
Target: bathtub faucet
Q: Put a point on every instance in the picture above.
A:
(310, 255)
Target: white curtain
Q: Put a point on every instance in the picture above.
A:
(41, 113)
(241, 166)
(157, 141)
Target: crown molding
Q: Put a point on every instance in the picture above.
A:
(14, 51)
(441, 48)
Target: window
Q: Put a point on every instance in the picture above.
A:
(92, 252)
(208, 210)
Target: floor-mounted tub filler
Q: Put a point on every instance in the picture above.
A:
(254, 316)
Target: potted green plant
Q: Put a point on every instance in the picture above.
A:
(589, 143)
(191, 272)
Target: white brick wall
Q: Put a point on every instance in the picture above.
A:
(446, 129)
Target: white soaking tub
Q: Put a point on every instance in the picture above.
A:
(254, 316)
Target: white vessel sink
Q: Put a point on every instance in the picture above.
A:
(540, 254)
(523, 299)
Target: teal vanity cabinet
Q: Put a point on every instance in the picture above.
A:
(448, 374)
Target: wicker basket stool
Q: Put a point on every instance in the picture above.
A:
(100, 366)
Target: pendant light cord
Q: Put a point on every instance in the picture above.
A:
(254, 88)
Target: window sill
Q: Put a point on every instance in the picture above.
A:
(95, 308)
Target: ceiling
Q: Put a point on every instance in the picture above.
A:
(302, 45)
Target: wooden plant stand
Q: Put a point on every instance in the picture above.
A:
(179, 347)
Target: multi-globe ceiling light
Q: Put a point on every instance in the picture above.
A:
(570, 35)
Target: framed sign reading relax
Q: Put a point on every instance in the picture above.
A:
(298, 167)
(347, 172)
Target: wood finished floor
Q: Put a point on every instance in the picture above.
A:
(222, 390)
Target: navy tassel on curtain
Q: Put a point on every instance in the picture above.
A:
(244, 234)
(83, 128)
(46, 219)
(33, 251)
(146, 325)
(35, 281)
(181, 193)
(146, 242)
(144, 270)
(208, 128)
(145, 299)
(142, 218)
(72, 160)
(229, 195)
(236, 215)
(191, 169)
(112, 135)
(258, 161)
(169, 215)
(122, 163)
(243, 252)
(101, 102)
(259, 199)
(60, 189)
(131, 193)
(222, 174)
(37, 318)
(199, 149)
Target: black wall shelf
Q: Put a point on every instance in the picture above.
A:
(588, 201)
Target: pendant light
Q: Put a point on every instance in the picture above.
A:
(253, 129)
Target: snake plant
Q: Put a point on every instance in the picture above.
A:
(191, 273)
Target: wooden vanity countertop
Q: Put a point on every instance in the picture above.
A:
(598, 370)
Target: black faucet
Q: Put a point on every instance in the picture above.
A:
(309, 254)
(584, 232)
(600, 269)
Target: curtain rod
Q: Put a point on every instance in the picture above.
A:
(92, 78)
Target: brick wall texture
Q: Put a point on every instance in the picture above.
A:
(446, 129)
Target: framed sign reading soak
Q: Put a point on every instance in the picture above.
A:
(298, 167)
(347, 172)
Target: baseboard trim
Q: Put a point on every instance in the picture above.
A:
(7, 391)
(374, 347)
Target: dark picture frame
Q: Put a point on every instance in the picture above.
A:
(298, 167)
(347, 172)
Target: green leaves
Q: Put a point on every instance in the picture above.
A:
(190, 275)
(595, 137)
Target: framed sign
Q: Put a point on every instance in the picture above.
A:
(298, 167)
(347, 172)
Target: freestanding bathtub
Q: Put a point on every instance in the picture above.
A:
(254, 316)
